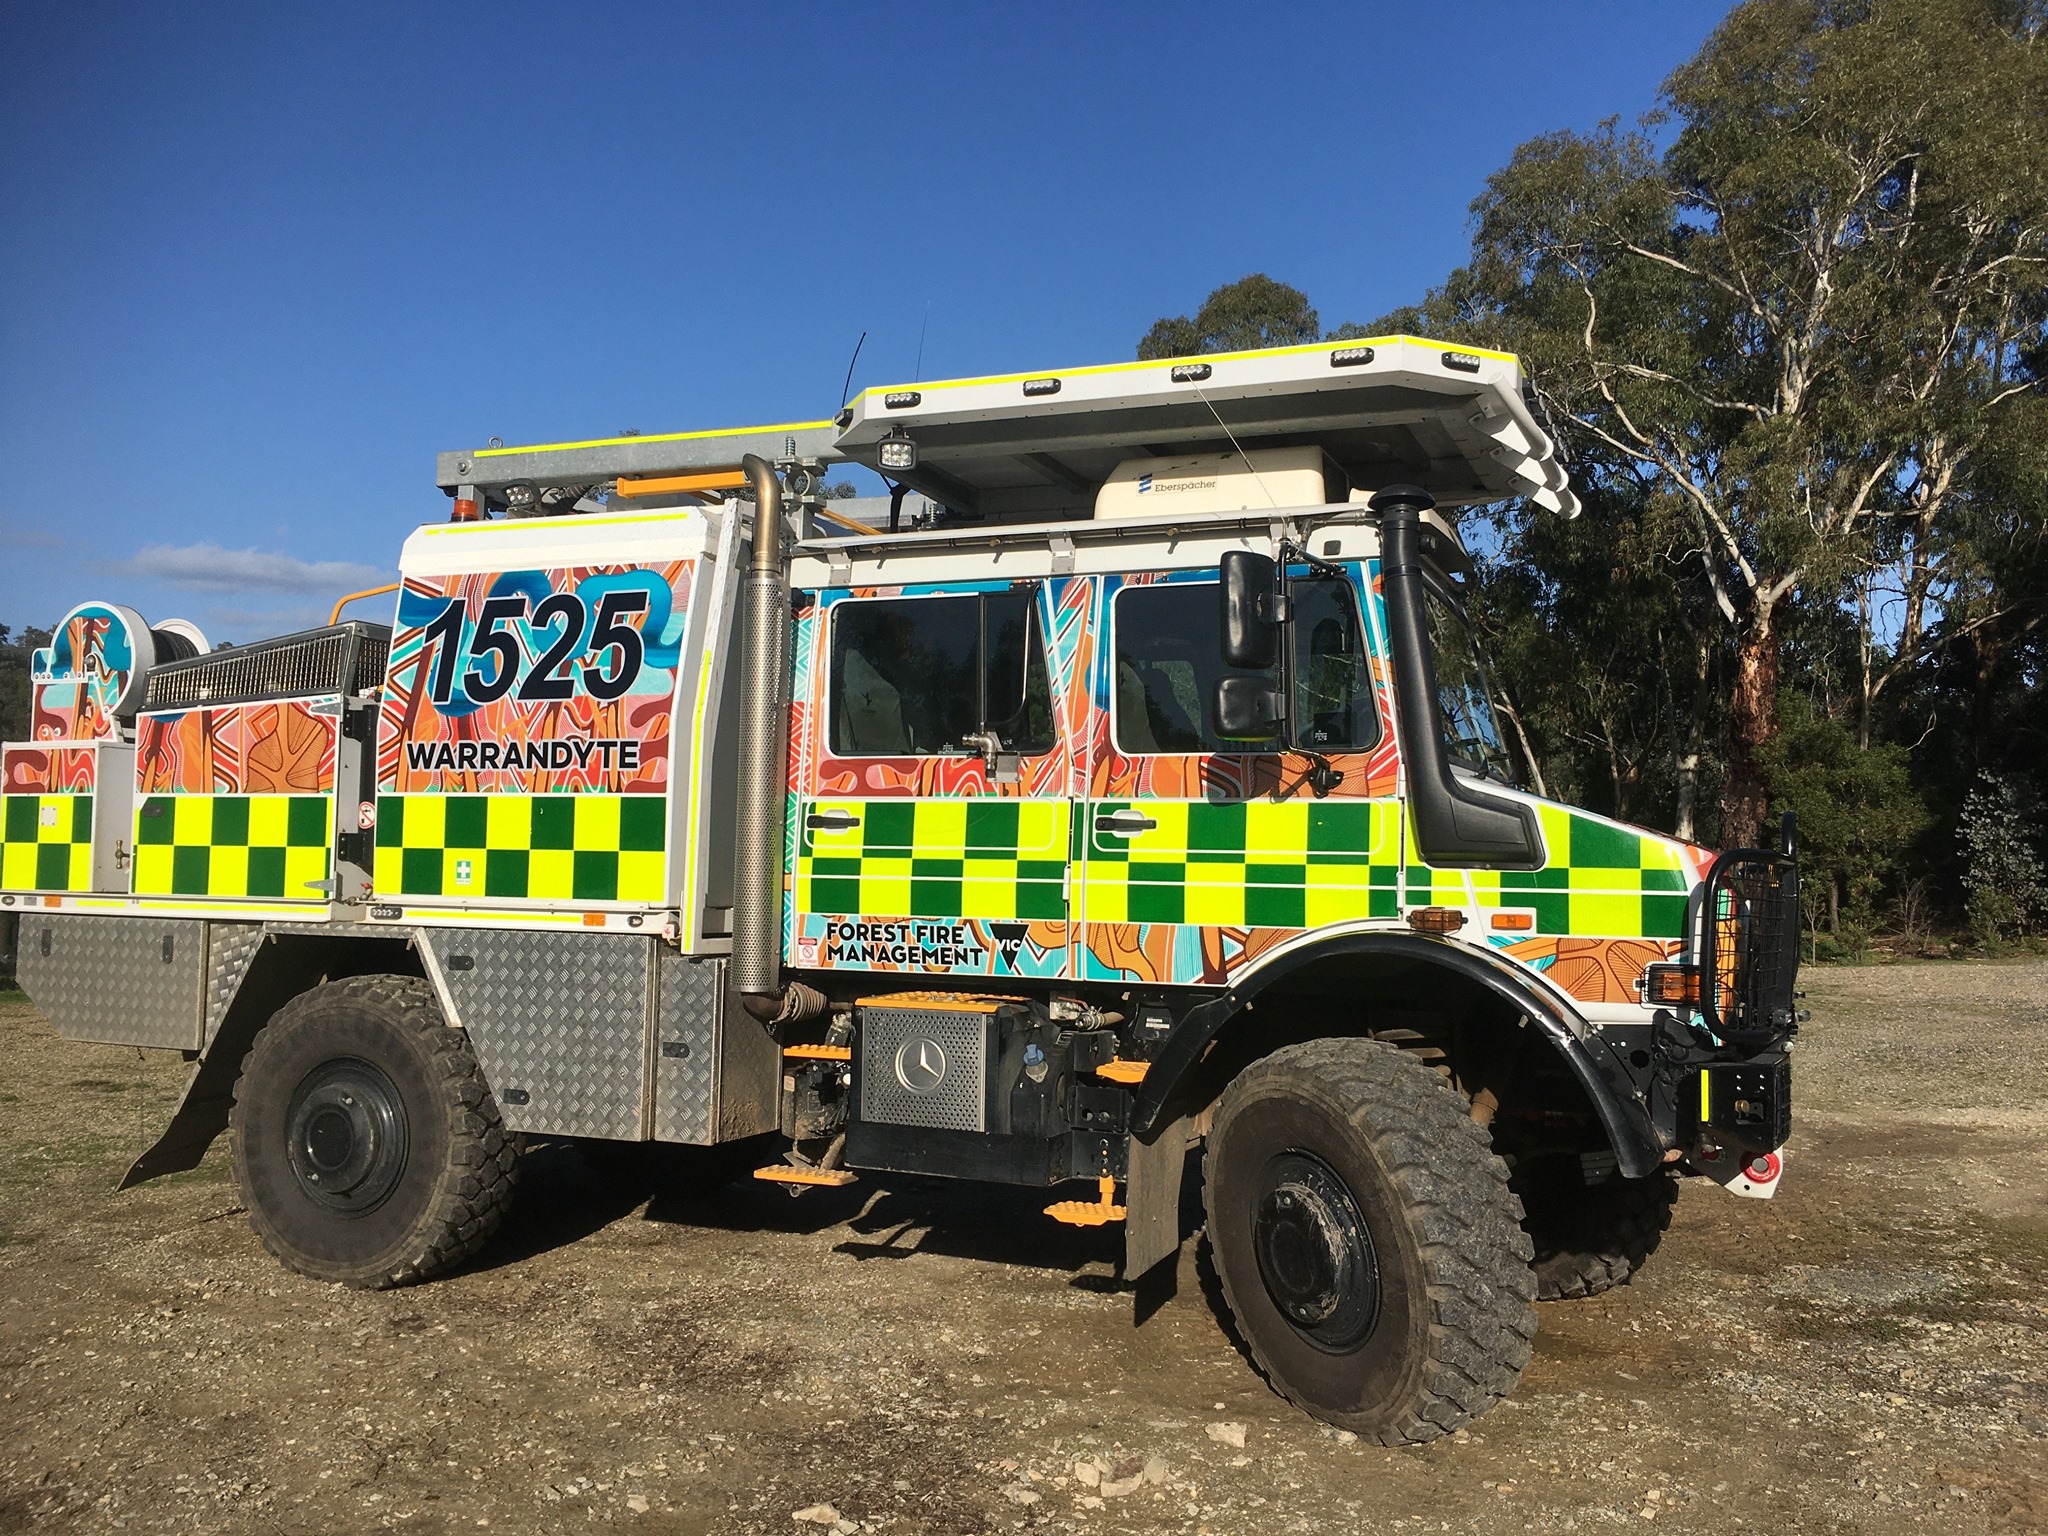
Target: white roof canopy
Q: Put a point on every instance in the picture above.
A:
(1391, 410)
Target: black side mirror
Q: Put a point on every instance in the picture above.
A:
(1251, 629)
(1247, 709)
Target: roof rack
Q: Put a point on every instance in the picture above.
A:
(1038, 447)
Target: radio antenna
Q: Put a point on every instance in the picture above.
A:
(847, 388)
(1239, 447)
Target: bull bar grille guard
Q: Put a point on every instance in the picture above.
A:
(1747, 945)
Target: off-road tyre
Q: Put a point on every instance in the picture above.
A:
(1590, 1238)
(435, 1170)
(1329, 1121)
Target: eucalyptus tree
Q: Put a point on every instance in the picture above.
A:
(1798, 305)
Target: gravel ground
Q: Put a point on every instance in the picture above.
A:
(1868, 1352)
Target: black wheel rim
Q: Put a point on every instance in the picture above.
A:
(345, 1136)
(1315, 1253)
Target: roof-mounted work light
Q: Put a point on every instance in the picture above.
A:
(896, 451)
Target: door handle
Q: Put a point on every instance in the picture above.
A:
(831, 821)
(1125, 823)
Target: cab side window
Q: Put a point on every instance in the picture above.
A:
(917, 676)
(1334, 709)
(1168, 658)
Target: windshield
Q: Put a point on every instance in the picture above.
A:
(1464, 692)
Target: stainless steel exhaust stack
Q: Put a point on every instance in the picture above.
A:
(764, 754)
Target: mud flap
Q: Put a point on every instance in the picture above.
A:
(1152, 1198)
(202, 1115)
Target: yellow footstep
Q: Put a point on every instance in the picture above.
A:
(1089, 1213)
(782, 1173)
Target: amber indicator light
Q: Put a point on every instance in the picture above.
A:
(1436, 919)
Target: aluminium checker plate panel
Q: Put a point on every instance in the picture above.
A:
(229, 949)
(117, 980)
(717, 1070)
(687, 1023)
(559, 1023)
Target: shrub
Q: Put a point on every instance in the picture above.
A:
(2008, 892)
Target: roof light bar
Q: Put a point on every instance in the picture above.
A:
(1041, 387)
(1458, 362)
(1190, 373)
(1351, 357)
(902, 399)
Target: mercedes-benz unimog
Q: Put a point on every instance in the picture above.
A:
(1136, 789)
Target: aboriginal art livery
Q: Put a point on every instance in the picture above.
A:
(526, 734)
(1116, 844)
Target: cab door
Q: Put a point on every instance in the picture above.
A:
(932, 800)
(1199, 854)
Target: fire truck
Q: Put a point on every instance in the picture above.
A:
(1125, 792)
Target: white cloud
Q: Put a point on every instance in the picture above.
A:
(210, 568)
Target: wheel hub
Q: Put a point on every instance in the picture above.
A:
(1315, 1253)
(345, 1136)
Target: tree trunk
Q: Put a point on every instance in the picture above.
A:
(1753, 722)
(1692, 745)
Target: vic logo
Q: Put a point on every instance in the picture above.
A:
(1144, 484)
(1009, 939)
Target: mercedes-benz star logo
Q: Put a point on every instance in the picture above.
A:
(920, 1064)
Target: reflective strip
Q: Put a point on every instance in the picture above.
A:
(1602, 881)
(1165, 363)
(1237, 864)
(957, 858)
(659, 437)
(46, 843)
(278, 846)
(592, 847)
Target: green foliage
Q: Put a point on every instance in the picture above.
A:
(2008, 891)
(1856, 808)
(16, 651)
(1252, 312)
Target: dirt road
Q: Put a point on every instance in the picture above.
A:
(1868, 1352)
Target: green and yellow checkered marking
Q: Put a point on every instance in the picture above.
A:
(1256, 864)
(1602, 881)
(979, 858)
(46, 843)
(277, 846)
(562, 847)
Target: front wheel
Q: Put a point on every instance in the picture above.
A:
(368, 1148)
(1367, 1242)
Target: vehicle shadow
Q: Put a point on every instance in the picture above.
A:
(570, 1190)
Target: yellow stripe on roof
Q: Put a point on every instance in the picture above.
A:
(660, 437)
(1300, 349)
(1296, 350)
(583, 520)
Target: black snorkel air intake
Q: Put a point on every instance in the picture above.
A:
(1456, 825)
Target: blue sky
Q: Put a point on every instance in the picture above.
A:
(259, 263)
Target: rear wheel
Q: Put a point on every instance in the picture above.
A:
(1590, 1238)
(1366, 1240)
(368, 1148)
